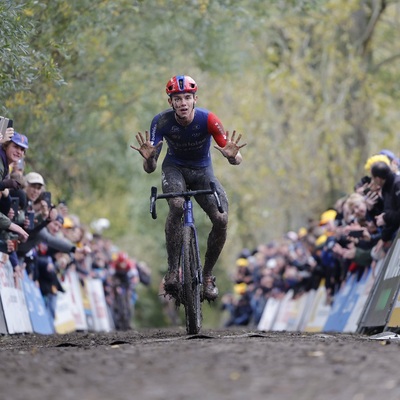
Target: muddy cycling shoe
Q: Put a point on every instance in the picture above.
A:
(171, 283)
(210, 290)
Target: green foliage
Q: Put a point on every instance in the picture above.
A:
(21, 65)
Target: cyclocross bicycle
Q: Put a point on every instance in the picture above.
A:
(190, 269)
(121, 303)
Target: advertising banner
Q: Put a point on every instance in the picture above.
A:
(384, 294)
(72, 287)
(98, 305)
(38, 314)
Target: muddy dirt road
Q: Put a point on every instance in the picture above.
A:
(219, 364)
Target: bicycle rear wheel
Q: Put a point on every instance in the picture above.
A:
(191, 270)
(122, 311)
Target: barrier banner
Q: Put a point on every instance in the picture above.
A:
(362, 291)
(98, 305)
(384, 293)
(72, 287)
(40, 319)
(3, 325)
(269, 314)
(87, 307)
(282, 318)
(13, 301)
(290, 313)
(340, 311)
(320, 310)
(309, 301)
(394, 321)
(65, 321)
(296, 312)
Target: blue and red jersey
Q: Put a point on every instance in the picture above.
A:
(188, 146)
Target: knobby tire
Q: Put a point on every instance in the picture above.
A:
(191, 282)
(122, 310)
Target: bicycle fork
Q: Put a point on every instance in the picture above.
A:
(188, 220)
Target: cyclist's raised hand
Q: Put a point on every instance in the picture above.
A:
(146, 149)
(231, 148)
(149, 152)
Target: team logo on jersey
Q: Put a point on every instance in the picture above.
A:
(219, 127)
(175, 128)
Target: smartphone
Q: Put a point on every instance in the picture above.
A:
(10, 123)
(31, 218)
(47, 197)
(3, 125)
(15, 206)
(356, 234)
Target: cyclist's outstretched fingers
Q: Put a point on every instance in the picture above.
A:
(238, 139)
(147, 136)
(233, 136)
(139, 138)
(242, 145)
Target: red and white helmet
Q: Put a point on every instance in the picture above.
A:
(122, 263)
(181, 84)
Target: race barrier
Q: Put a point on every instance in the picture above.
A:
(313, 312)
(23, 310)
(382, 309)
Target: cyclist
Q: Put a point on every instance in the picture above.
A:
(124, 281)
(187, 165)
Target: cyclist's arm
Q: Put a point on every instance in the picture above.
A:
(155, 144)
(150, 164)
(217, 131)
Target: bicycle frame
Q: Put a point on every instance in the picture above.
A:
(191, 270)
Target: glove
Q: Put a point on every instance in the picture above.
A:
(9, 184)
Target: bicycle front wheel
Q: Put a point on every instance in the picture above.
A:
(191, 281)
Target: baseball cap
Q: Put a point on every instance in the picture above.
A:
(388, 154)
(20, 140)
(34, 177)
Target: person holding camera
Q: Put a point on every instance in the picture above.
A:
(188, 132)
(11, 151)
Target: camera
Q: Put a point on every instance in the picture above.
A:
(4, 124)
(356, 233)
(15, 206)
(365, 179)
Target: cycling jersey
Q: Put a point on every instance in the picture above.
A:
(188, 146)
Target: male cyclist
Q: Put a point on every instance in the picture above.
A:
(187, 165)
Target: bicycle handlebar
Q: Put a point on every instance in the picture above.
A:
(154, 197)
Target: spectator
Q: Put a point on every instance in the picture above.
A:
(389, 183)
(34, 189)
(10, 151)
(48, 280)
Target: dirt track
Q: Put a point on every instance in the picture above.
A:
(219, 364)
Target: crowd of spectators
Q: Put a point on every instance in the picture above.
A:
(348, 238)
(45, 240)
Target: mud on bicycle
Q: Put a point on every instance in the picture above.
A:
(190, 285)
